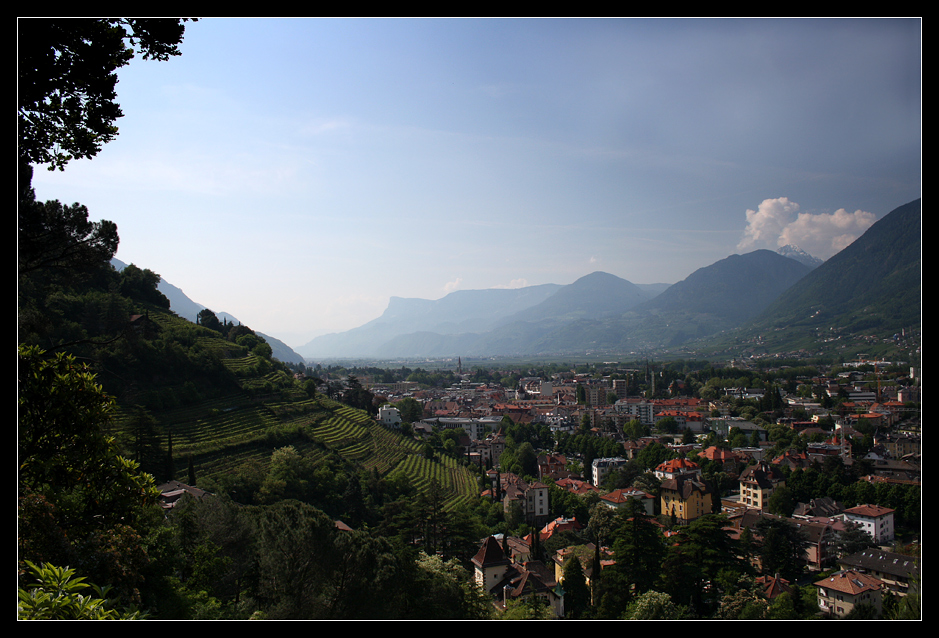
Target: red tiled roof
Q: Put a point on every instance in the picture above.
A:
(872, 511)
(850, 582)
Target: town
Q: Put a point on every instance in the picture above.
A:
(762, 458)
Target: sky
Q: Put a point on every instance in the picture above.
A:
(297, 173)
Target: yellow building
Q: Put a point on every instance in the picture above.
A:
(685, 498)
(758, 482)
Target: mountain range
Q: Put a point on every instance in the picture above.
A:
(597, 311)
(602, 312)
(873, 284)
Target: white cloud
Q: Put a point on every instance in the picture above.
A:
(826, 234)
(778, 222)
(450, 286)
(765, 224)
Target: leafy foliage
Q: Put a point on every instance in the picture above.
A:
(54, 593)
(67, 79)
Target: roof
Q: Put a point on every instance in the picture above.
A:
(869, 511)
(850, 582)
(620, 496)
(676, 465)
(685, 485)
(823, 506)
(173, 490)
(763, 474)
(490, 554)
(772, 586)
(874, 559)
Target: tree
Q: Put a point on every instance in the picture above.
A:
(699, 555)
(667, 424)
(64, 450)
(639, 547)
(654, 605)
(76, 490)
(410, 409)
(440, 590)
(142, 285)
(67, 79)
(147, 446)
(59, 239)
(576, 591)
(852, 539)
(781, 502)
(782, 547)
(208, 319)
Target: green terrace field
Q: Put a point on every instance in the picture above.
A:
(269, 411)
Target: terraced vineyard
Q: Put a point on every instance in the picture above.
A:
(224, 433)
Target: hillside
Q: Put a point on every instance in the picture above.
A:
(185, 307)
(872, 287)
(213, 399)
(258, 408)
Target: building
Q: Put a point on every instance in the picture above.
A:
(897, 571)
(840, 593)
(474, 428)
(617, 499)
(758, 482)
(173, 491)
(506, 580)
(389, 416)
(873, 519)
(602, 467)
(676, 467)
(685, 498)
(532, 498)
(823, 506)
(550, 465)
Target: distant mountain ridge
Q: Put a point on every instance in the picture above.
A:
(873, 282)
(596, 312)
(459, 312)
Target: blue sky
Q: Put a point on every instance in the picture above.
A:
(297, 173)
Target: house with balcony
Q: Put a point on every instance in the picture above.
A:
(897, 571)
(841, 592)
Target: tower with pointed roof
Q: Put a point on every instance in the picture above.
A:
(490, 564)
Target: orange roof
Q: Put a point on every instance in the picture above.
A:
(850, 582)
(675, 465)
(872, 511)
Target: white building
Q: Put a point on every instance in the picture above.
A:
(873, 519)
(389, 416)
